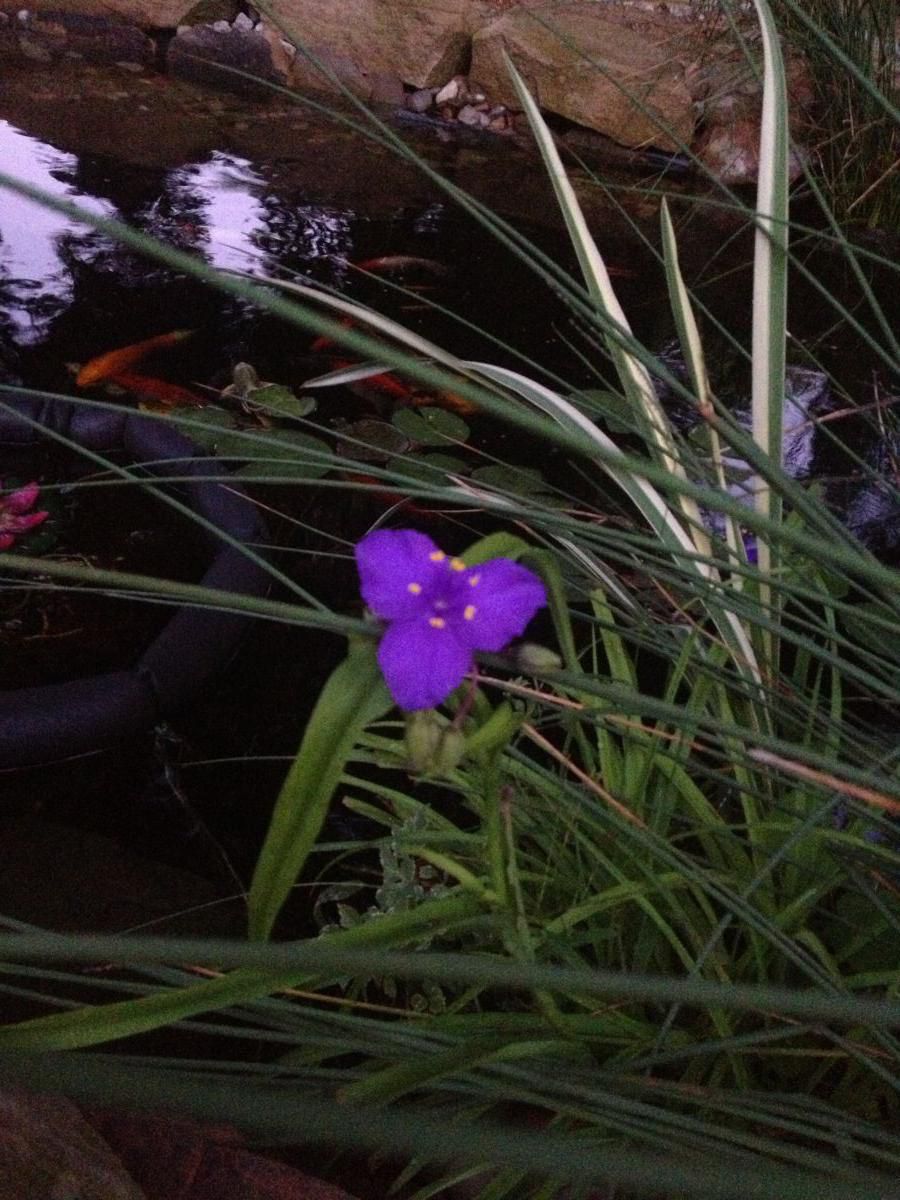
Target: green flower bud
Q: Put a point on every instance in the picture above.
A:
(532, 657)
(433, 746)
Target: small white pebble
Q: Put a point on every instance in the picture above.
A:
(221, 26)
(243, 23)
(448, 92)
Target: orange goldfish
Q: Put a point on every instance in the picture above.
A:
(104, 366)
(401, 262)
(159, 392)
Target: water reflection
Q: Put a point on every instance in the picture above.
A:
(35, 242)
(221, 209)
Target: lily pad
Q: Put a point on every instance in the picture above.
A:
(280, 401)
(370, 440)
(521, 481)
(431, 426)
(429, 468)
(209, 426)
(281, 454)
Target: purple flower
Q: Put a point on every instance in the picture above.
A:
(15, 518)
(439, 611)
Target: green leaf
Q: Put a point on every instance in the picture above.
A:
(615, 410)
(209, 427)
(280, 401)
(429, 468)
(354, 696)
(521, 481)
(278, 453)
(431, 426)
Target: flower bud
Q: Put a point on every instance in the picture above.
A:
(532, 657)
(433, 746)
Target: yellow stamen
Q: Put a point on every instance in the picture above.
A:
(457, 564)
(415, 588)
(437, 556)
(469, 612)
(473, 580)
(437, 622)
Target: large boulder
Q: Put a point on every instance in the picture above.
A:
(619, 69)
(422, 44)
(146, 14)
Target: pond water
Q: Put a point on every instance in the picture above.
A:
(274, 189)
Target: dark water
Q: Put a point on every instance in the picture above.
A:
(199, 793)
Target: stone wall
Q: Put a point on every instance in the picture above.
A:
(642, 73)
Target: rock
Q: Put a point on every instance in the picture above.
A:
(379, 87)
(47, 1148)
(244, 23)
(728, 146)
(198, 54)
(730, 152)
(175, 1158)
(50, 36)
(420, 100)
(638, 49)
(34, 51)
(450, 91)
(470, 115)
(386, 88)
(146, 14)
(422, 44)
(221, 26)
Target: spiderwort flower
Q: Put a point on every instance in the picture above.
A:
(439, 611)
(15, 518)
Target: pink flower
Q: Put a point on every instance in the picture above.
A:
(15, 519)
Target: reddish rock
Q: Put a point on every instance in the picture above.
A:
(617, 69)
(173, 1158)
(47, 1148)
(199, 52)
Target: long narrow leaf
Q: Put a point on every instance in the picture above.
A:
(354, 696)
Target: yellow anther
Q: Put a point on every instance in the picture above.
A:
(415, 588)
(473, 580)
(437, 622)
(469, 612)
(437, 556)
(457, 564)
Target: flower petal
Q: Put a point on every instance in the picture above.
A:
(422, 664)
(398, 571)
(22, 499)
(500, 597)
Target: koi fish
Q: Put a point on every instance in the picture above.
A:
(401, 262)
(389, 387)
(323, 342)
(113, 362)
(157, 391)
(402, 395)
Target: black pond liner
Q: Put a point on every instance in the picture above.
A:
(44, 724)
